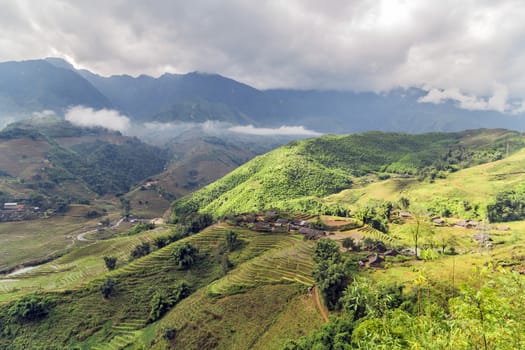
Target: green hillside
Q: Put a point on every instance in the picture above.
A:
(295, 176)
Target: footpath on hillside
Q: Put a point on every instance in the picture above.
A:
(320, 305)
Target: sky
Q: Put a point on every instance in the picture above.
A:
(471, 52)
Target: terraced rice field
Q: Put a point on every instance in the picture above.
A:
(291, 261)
(371, 232)
(132, 275)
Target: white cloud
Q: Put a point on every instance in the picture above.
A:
(44, 114)
(497, 102)
(109, 119)
(283, 130)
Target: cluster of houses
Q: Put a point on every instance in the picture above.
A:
(468, 224)
(270, 222)
(13, 211)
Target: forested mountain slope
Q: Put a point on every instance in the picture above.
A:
(295, 176)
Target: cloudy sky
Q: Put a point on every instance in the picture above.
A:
(469, 51)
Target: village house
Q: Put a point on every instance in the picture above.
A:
(375, 260)
(482, 237)
(404, 215)
(311, 233)
(281, 221)
(10, 206)
(391, 252)
(149, 184)
(438, 222)
(466, 224)
(262, 227)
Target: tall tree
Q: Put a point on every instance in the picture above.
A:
(418, 228)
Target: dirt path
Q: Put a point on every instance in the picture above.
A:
(322, 308)
(81, 236)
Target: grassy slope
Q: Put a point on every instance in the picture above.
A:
(478, 184)
(291, 176)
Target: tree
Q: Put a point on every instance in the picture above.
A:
(196, 222)
(349, 243)
(375, 214)
(161, 242)
(138, 228)
(161, 302)
(108, 287)
(185, 255)
(418, 228)
(111, 262)
(180, 291)
(158, 306)
(326, 249)
(231, 240)
(329, 272)
(126, 206)
(140, 250)
(364, 298)
(331, 278)
(404, 203)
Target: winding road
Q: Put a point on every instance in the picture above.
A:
(81, 236)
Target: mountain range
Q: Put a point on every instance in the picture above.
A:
(54, 84)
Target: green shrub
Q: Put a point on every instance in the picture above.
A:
(140, 250)
(141, 228)
(111, 262)
(185, 255)
(108, 287)
(30, 308)
(161, 302)
(161, 242)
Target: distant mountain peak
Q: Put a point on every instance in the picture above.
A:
(60, 63)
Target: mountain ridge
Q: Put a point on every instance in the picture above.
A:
(198, 97)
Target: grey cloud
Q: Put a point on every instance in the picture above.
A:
(470, 46)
